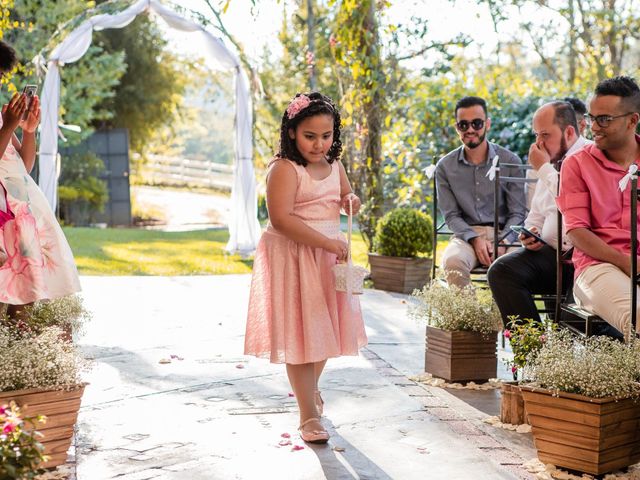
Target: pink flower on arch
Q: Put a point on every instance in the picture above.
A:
(297, 105)
(507, 333)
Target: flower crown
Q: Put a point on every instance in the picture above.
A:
(297, 105)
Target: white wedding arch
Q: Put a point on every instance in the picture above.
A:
(244, 228)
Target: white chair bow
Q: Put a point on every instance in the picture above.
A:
(624, 181)
(494, 168)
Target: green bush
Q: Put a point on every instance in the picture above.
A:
(404, 232)
(81, 192)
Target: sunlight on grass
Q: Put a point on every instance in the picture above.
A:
(121, 251)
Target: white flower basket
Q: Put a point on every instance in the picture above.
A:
(349, 277)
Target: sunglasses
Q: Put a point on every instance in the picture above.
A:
(603, 121)
(476, 124)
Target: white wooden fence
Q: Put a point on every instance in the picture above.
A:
(176, 171)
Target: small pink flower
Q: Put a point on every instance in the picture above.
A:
(514, 369)
(296, 448)
(507, 333)
(297, 105)
(333, 41)
(543, 338)
(3, 409)
(8, 427)
(310, 58)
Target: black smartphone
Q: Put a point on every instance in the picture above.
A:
(29, 91)
(527, 233)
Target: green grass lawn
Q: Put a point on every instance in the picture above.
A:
(125, 251)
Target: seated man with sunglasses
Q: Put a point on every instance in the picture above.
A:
(595, 201)
(465, 192)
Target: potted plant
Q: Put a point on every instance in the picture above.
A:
(41, 372)
(462, 326)
(526, 337)
(20, 452)
(400, 236)
(582, 402)
(67, 313)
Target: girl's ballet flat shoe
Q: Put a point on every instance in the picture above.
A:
(319, 403)
(313, 436)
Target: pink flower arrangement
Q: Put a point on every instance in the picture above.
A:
(297, 105)
(20, 451)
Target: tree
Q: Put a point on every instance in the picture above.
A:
(37, 26)
(150, 92)
(597, 35)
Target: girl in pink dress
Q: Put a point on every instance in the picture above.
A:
(296, 316)
(35, 258)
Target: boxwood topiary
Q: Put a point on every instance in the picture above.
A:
(404, 232)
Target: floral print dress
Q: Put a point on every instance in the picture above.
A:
(36, 259)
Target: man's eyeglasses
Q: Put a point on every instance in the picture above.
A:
(603, 121)
(476, 124)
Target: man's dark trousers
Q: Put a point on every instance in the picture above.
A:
(516, 276)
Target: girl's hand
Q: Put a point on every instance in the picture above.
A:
(33, 118)
(13, 111)
(337, 247)
(355, 203)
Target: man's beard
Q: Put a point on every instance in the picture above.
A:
(471, 144)
(562, 152)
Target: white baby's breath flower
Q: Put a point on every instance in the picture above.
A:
(456, 309)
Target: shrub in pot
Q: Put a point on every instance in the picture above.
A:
(401, 235)
(42, 373)
(582, 402)
(462, 326)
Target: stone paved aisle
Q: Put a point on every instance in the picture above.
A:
(212, 413)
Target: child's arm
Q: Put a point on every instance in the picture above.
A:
(27, 148)
(281, 192)
(346, 192)
(11, 115)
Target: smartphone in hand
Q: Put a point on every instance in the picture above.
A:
(527, 233)
(29, 91)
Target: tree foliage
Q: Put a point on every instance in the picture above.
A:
(37, 26)
(150, 92)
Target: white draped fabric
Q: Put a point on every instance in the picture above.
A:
(244, 228)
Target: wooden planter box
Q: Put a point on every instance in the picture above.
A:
(512, 404)
(591, 435)
(399, 274)
(460, 356)
(61, 409)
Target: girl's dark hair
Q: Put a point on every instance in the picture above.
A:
(319, 105)
(8, 57)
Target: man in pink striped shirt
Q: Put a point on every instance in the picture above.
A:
(596, 210)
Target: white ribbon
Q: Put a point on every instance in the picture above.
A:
(622, 184)
(429, 171)
(494, 168)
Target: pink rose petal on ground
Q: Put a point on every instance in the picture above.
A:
(296, 448)
(239, 366)
(291, 394)
(285, 435)
(176, 357)
(284, 443)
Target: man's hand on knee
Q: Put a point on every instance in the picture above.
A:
(483, 250)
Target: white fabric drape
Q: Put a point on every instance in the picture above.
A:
(244, 229)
